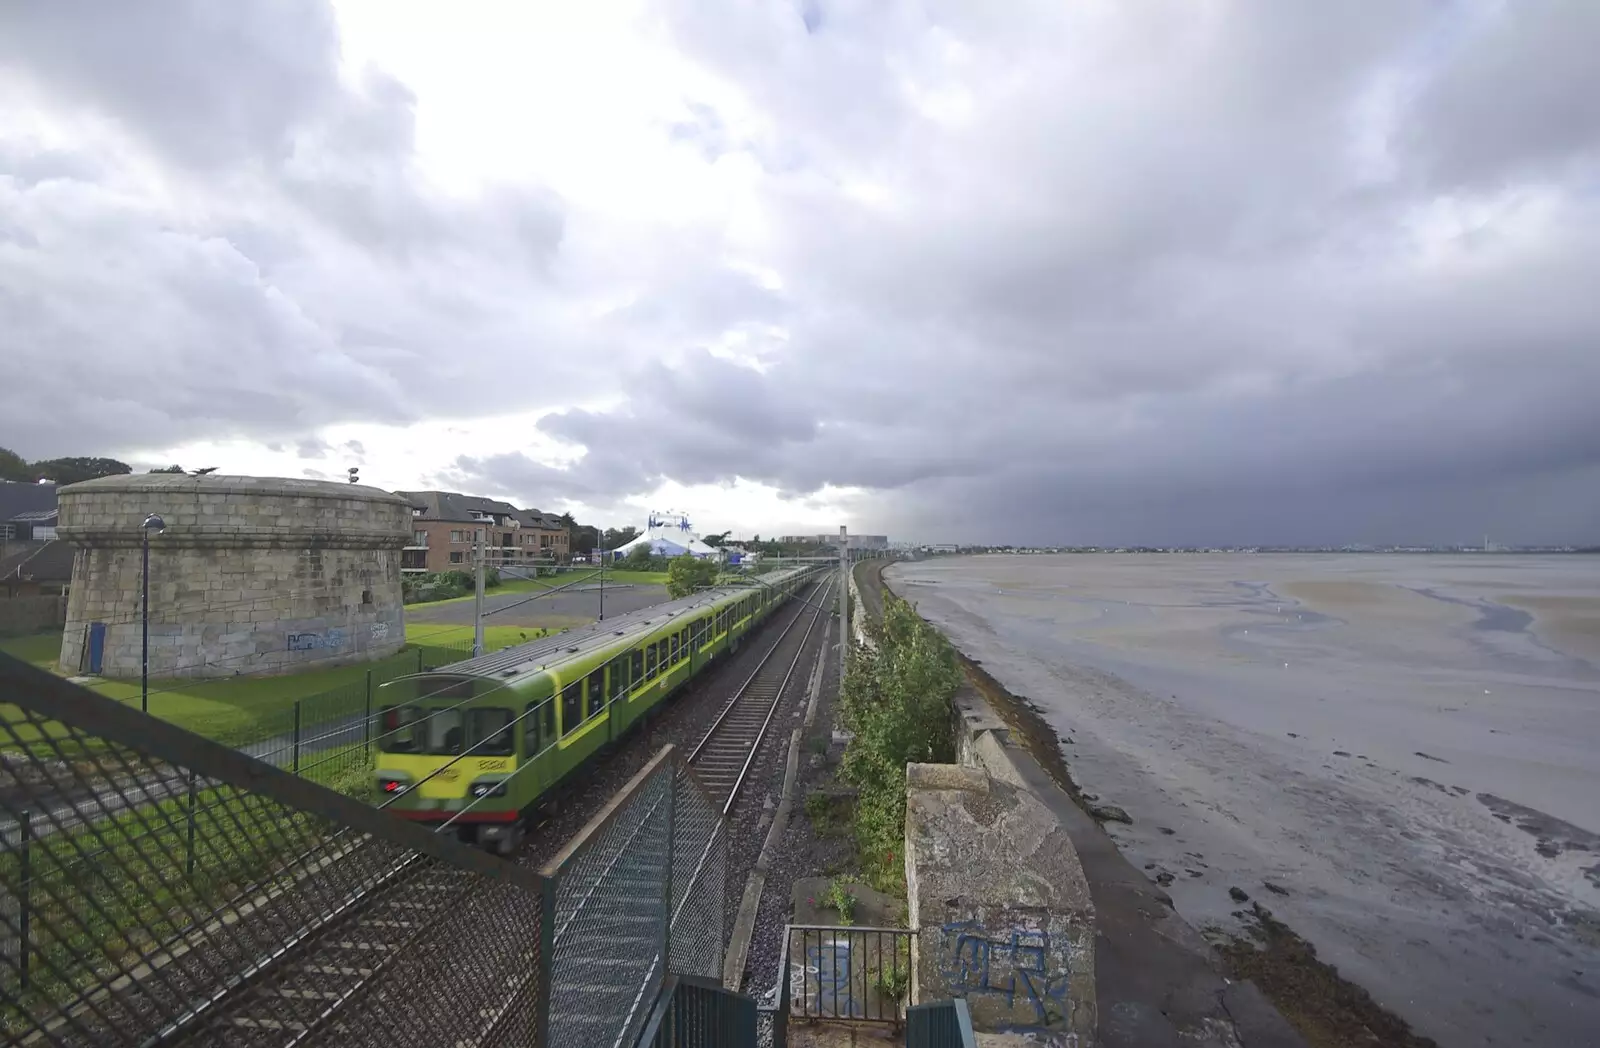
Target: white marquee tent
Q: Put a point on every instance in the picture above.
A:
(669, 535)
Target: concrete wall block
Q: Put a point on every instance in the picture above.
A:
(1001, 905)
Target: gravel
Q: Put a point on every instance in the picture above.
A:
(800, 851)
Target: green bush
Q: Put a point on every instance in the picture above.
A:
(686, 574)
(896, 699)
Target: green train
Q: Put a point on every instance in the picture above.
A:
(483, 739)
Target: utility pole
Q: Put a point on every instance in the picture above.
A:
(602, 583)
(477, 615)
(844, 601)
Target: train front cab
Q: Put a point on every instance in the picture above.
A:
(450, 746)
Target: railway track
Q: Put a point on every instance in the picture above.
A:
(723, 757)
(309, 989)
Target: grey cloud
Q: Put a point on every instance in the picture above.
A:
(1248, 271)
(1517, 93)
(300, 272)
(207, 83)
(1180, 306)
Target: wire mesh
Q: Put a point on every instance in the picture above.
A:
(158, 888)
(610, 933)
(699, 871)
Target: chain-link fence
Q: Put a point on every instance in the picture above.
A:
(160, 888)
(699, 879)
(642, 885)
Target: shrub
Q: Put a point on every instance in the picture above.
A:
(896, 699)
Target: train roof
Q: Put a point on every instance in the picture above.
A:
(537, 655)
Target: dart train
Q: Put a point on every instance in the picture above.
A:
(477, 743)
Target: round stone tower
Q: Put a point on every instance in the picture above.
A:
(252, 575)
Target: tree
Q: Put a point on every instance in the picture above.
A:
(616, 538)
(718, 540)
(14, 467)
(687, 574)
(73, 470)
(584, 539)
(638, 558)
(169, 469)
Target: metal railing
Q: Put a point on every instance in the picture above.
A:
(693, 1012)
(940, 1024)
(158, 888)
(129, 917)
(838, 972)
(638, 893)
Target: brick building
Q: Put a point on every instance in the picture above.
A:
(444, 524)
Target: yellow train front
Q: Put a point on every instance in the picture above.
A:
(474, 745)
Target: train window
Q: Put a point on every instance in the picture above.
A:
(530, 731)
(597, 692)
(619, 677)
(571, 707)
(675, 649)
(397, 729)
(547, 714)
(683, 635)
(489, 732)
(444, 732)
(638, 668)
(650, 662)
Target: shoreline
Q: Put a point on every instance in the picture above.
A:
(1287, 764)
(1324, 1007)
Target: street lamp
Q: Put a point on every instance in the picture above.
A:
(157, 525)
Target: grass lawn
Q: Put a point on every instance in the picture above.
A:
(494, 637)
(638, 578)
(41, 649)
(244, 709)
(506, 586)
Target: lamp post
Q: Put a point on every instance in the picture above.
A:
(157, 525)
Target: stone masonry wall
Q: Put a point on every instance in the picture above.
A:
(998, 897)
(252, 575)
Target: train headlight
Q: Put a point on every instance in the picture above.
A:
(390, 785)
(489, 789)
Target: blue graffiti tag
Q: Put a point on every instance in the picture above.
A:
(974, 961)
(311, 641)
(831, 963)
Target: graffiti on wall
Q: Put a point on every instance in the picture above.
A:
(313, 640)
(380, 631)
(822, 982)
(1014, 964)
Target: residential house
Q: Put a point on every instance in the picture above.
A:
(37, 570)
(20, 505)
(445, 525)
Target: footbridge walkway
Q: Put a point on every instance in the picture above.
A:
(256, 907)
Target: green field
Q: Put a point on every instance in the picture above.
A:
(507, 586)
(242, 709)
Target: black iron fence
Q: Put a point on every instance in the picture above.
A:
(693, 1012)
(940, 1024)
(161, 888)
(846, 973)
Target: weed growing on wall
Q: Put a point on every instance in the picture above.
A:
(896, 700)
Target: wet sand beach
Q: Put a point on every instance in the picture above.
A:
(1399, 756)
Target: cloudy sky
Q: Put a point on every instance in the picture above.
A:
(1076, 270)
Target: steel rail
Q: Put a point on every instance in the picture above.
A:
(308, 939)
(719, 728)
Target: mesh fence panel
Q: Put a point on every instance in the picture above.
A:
(611, 891)
(699, 870)
(156, 888)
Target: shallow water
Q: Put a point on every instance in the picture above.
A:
(1409, 746)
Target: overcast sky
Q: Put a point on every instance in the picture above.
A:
(1095, 271)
